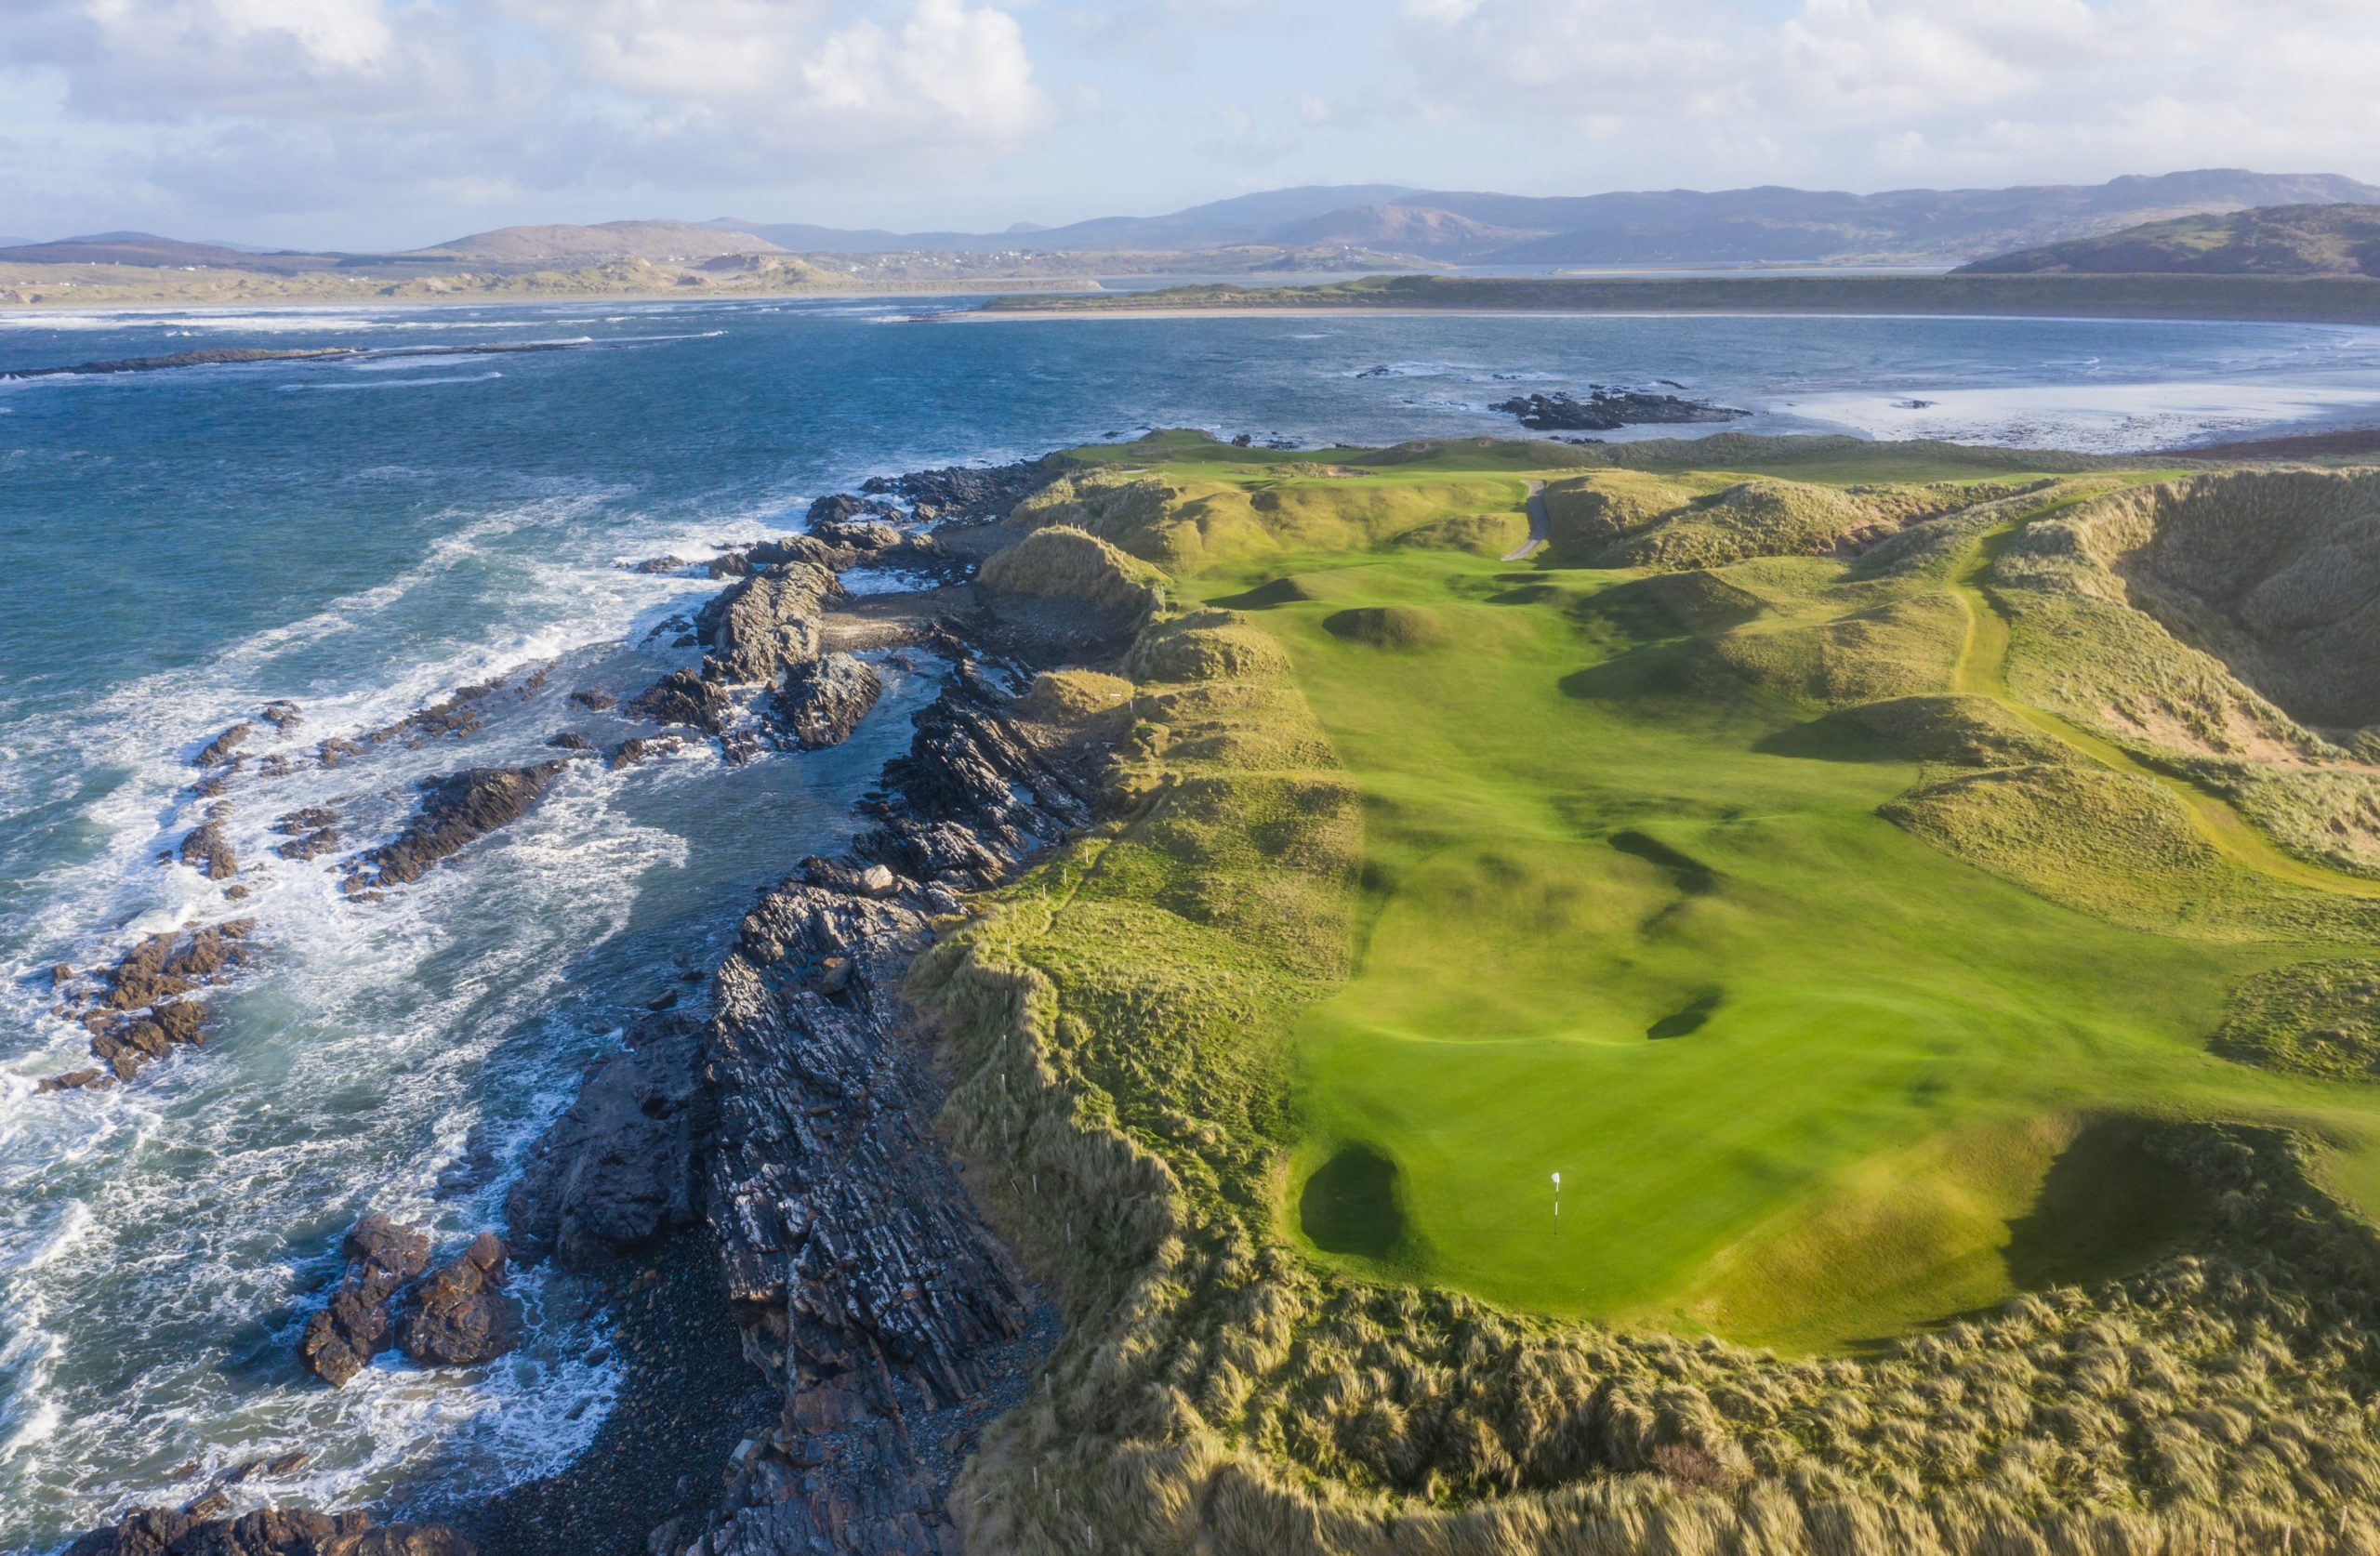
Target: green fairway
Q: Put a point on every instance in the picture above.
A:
(1808, 1079)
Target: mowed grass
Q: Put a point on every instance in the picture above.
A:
(1808, 1080)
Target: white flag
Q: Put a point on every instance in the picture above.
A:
(1557, 1180)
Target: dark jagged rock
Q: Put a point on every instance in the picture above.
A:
(970, 494)
(222, 745)
(636, 748)
(69, 1080)
(460, 712)
(283, 715)
(340, 1340)
(683, 697)
(819, 703)
(792, 549)
(312, 832)
(617, 1168)
(657, 564)
(460, 1315)
(594, 701)
(845, 520)
(869, 1290)
(201, 1531)
(971, 797)
(335, 750)
(456, 812)
(1606, 409)
(570, 740)
(135, 1011)
(756, 626)
(205, 850)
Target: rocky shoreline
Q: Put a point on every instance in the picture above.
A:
(767, 1176)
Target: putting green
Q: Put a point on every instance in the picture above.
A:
(1807, 1079)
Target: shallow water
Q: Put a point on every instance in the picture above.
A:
(364, 536)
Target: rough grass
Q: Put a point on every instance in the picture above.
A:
(2230, 619)
(2312, 1019)
(1064, 560)
(1266, 1077)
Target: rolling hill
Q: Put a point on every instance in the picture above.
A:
(610, 239)
(2282, 240)
(147, 248)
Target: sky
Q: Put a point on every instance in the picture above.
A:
(391, 124)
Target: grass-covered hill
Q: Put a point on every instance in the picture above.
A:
(1902, 890)
(2278, 240)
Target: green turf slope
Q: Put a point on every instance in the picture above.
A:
(1948, 1158)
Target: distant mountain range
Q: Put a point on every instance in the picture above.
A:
(1665, 227)
(1673, 227)
(2280, 240)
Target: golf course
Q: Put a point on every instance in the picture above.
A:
(1830, 916)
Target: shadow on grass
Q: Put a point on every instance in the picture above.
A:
(1280, 591)
(1692, 875)
(1349, 1206)
(1686, 1021)
(2108, 1208)
(1833, 738)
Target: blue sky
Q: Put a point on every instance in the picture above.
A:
(392, 122)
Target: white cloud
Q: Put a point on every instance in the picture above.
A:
(282, 100)
(1854, 91)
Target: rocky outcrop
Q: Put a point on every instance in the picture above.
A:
(138, 1007)
(757, 626)
(220, 748)
(340, 1340)
(863, 1274)
(202, 1530)
(456, 812)
(1606, 409)
(969, 494)
(683, 697)
(971, 796)
(820, 701)
(311, 832)
(460, 1315)
(636, 748)
(617, 1168)
(205, 850)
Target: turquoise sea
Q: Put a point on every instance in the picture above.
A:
(362, 536)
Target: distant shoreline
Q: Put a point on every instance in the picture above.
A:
(2245, 299)
(891, 291)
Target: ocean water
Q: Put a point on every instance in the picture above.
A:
(364, 536)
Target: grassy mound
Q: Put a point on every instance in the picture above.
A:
(1400, 629)
(1061, 561)
(1482, 535)
(2120, 848)
(2312, 1019)
(1899, 649)
(1946, 731)
(1667, 524)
